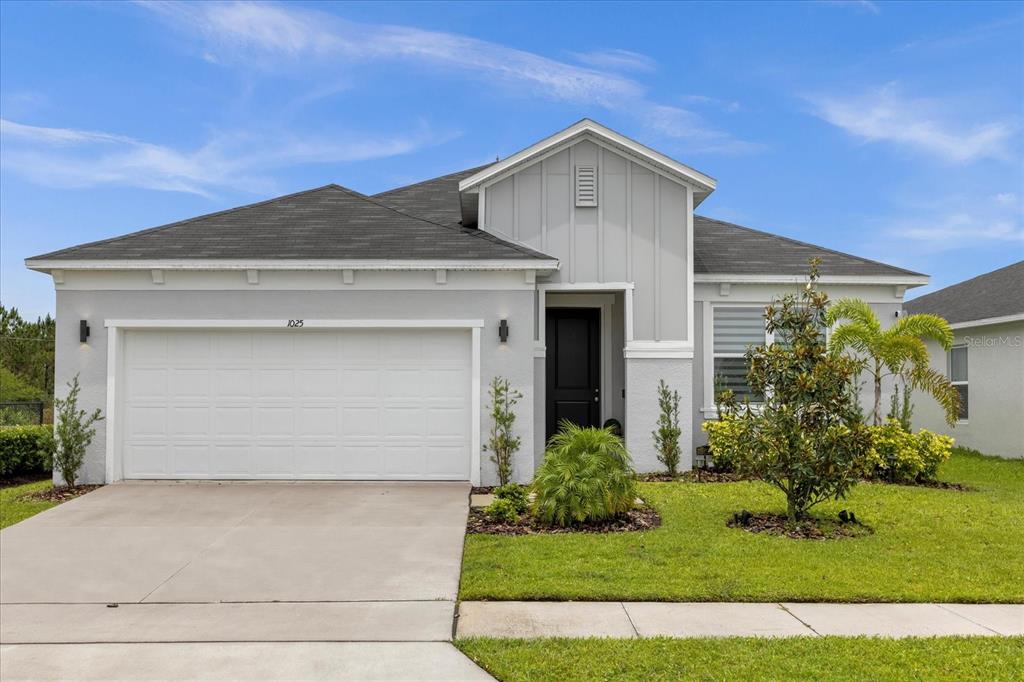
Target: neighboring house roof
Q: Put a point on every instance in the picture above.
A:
(704, 184)
(326, 223)
(998, 294)
(719, 248)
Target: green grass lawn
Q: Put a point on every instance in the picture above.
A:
(13, 509)
(928, 545)
(795, 658)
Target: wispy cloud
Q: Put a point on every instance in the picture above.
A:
(860, 5)
(955, 230)
(273, 36)
(887, 115)
(616, 60)
(66, 157)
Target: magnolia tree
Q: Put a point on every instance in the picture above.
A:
(806, 438)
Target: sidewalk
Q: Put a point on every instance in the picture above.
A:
(660, 619)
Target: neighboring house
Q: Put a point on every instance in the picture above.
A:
(330, 334)
(986, 363)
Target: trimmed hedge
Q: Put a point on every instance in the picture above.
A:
(25, 450)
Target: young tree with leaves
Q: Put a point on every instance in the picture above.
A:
(898, 352)
(666, 436)
(806, 438)
(73, 432)
(502, 442)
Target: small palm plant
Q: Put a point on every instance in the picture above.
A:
(898, 352)
(586, 476)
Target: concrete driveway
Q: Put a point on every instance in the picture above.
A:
(349, 569)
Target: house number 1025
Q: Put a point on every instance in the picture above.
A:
(295, 323)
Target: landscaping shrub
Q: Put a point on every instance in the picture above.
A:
(73, 433)
(25, 450)
(724, 439)
(899, 456)
(502, 510)
(514, 493)
(806, 438)
(502, 443)
(586, 476)
(666, 436)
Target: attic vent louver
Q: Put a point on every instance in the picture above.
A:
(586, 185)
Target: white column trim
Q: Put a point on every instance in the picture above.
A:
(690, 293)
(475, 444)
(112, 474)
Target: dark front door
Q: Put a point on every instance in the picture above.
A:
(573, 366)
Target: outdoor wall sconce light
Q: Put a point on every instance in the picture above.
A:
(503, 330)
(83, 331)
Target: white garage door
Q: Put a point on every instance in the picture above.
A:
(296, 404)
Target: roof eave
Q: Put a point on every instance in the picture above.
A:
(50, 265)
(907, 280)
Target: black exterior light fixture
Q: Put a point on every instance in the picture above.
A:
(503, 331)
(83, 331)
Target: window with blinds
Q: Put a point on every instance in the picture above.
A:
(734, 329)
(958, 377)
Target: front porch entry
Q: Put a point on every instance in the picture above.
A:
(573, 381)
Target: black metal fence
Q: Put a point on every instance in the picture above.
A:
(21, 412)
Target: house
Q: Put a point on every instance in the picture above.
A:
(986, 362)
(332, 335)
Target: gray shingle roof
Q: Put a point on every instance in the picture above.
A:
(724, 248)
(435, 199)
(330, 222)
(996, 294)
(422, 221)
(718, 247)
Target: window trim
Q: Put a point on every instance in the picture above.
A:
(964, 382)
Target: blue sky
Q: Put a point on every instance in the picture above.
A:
(893, 131)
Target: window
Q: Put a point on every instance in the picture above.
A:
(958, 376)
(735, 329)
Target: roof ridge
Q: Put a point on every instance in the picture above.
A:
(435, 179)
(803, 243)
(186, 221)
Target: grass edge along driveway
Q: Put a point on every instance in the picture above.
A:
(749, 658)
(929, 544)
(13, 508)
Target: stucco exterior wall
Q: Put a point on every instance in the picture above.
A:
(642, 377)
(637, 232)
(885, 300)
(995, 372)
(501, 298)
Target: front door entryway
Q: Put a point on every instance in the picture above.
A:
(573, 337)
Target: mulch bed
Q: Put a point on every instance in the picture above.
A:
(61, 494)
(482, 490)
(694, 476)
(939, 485)
(642, 518)
(808, 529)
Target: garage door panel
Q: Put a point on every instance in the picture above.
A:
(189, 421)
(308, 404)
(191, 460)
(190, 382)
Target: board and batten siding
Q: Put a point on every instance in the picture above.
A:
(636, 233)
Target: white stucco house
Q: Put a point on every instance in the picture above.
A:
(329, 334)
(986, 362)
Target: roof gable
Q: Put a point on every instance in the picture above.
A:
(587, 129)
